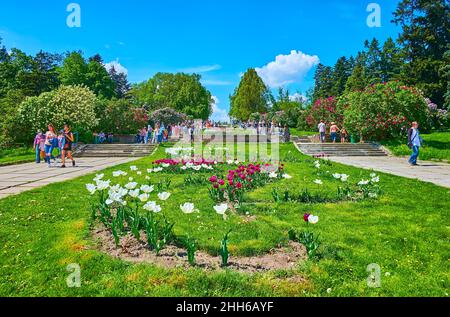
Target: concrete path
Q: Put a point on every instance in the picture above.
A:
(16, 179)
(432, 172)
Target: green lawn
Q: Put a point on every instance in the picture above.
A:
(297, 132)
(16, 156)
(436, 147)
(405, 232)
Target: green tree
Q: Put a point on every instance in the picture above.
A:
(341, 72)
(121, 82)
(425, 35)
(182, 92)
(74, 70)
(251, 96)
(358, 79)
(99, 81)
(323, 79)
(391, 61)
(373, 61)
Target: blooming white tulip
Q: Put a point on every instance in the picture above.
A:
(131, 185)
(363, 182)
(184, 168)
(130, 179)
(188, 208)
(313, 219)
(337, 176)
(273, 175)
(119, 173)
(197, 168)
(221, 210)
(152, 206)
(165, 165)
(134, 193)
(139, 172)
(230, 162)
(91, 188)
(344, 177)
(164, 196)
(373, 175)
(102, 185)
(133, 168)
(150, 170)
(109, 201)
(373, 195)
(376, 179)
(144, 197)
(99, 177)
(318, 182)
(286, 176)
(147, 189)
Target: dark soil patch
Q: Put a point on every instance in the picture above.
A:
(132, 250)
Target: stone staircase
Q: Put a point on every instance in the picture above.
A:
(338, 149)
(114, 150)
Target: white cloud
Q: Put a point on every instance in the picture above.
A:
(298, 97)
(201, 69)
(287, 69)
(218, 113)
(117, 66)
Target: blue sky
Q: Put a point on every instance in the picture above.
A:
(219, 39)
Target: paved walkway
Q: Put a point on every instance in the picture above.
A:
(432, 172)
(15, 179)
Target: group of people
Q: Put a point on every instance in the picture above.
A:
(415, 141)
(161, 133)
(62, 141)
(334, 130)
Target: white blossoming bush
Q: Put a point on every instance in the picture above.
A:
(74, 105)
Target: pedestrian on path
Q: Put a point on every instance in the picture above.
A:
(67, 149)
(333, 132)
(322, 130)
(38, 145)
(50, 137)
(414, 143)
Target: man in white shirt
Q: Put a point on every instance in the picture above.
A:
(414, 143)
(322, 130)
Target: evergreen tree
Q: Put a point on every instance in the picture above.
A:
(391, 61)
(74, 70)
(341, 72)
(251, 96)
(358, 79)
(121, 82)
(424, 39)
(323, 82)
(373, 61)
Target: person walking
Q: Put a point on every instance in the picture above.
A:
(37, 146)
(344, 135)
(333, 132)
(287, 134)
(322, 130)
(50, 137)
(67, 149)
(414, 143)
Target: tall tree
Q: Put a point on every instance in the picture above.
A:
(252, 95)
(391, 61)
(323, 82)
(341, 72)
(358, 79)
(73, 70)
(373, 61)
(99, 81)
(182, 92)
(121, 82)
(425, 36)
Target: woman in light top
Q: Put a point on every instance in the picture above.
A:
(50, 137)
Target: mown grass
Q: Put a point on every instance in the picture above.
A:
(436, 147)
(405, 232)
(16, 156)
(298, 132)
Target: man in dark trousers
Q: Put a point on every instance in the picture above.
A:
(414, 143)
